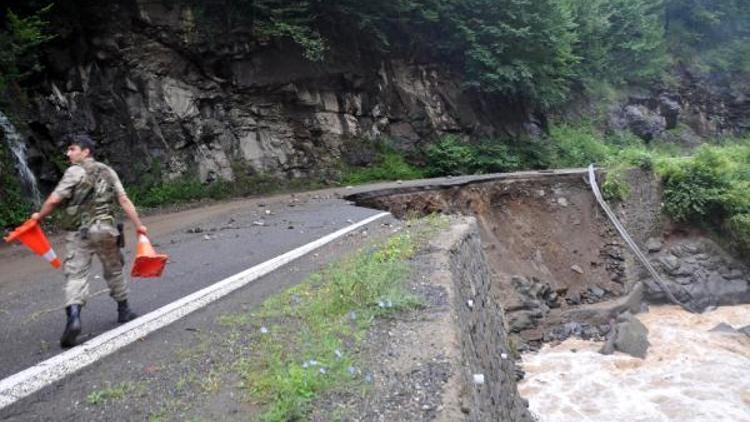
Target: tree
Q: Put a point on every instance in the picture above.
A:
(261, 20)
(620, 40)
(19, 42)
(709, 37)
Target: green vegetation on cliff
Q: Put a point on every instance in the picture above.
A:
(709, 38)
(389, 165)
(20, 39)
(535, 50)
(711, 189)
(538, 51)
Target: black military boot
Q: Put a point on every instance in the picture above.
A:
(72, 327)
(124, 314)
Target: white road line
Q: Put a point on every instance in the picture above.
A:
(30, 380)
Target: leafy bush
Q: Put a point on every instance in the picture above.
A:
(633, 156)
(615, 188)
(389, 165)
(450, 157)
(738, 227)
(694, 189)
(711, 189)
(641, 159)
(578, 146)
(737, 197)
(497, 157)
(170, 192)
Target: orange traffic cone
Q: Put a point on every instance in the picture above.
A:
(31, 235)
(147, 262)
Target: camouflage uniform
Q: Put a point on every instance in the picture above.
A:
(90, 191)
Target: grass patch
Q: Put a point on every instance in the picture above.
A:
(112, 393)
(306, 336)
(170, 411)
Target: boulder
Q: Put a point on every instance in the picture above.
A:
(628, 336)
(653, 245)
(723, 327)
(522, 320)
(670, 109)
(669, 263)
(643, 122)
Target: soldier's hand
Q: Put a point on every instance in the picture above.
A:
(141, 230)
(35, 216)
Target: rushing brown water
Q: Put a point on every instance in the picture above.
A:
(690, 373)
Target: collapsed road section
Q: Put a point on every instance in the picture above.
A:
(560, 269)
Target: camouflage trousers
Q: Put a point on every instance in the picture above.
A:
(101, 239)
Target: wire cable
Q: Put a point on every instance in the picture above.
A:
(631, 244)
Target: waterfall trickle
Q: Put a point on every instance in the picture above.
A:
(18, 148)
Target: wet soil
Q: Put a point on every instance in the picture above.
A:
(546, 240)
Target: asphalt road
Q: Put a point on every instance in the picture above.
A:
(204, 246)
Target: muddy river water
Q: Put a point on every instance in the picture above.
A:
(690, 374)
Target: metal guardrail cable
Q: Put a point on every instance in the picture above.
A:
(631, 244)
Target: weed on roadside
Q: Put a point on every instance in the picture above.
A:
(172, 409)
(111, 393)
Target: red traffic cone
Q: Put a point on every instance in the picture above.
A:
(147, 262)
(31, 235)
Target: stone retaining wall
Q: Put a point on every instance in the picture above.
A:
(488, 369)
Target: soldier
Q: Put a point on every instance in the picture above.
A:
(88, 191)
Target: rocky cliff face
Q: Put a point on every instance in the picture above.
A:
(161, 99)
(166, 100)
(693, 109)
